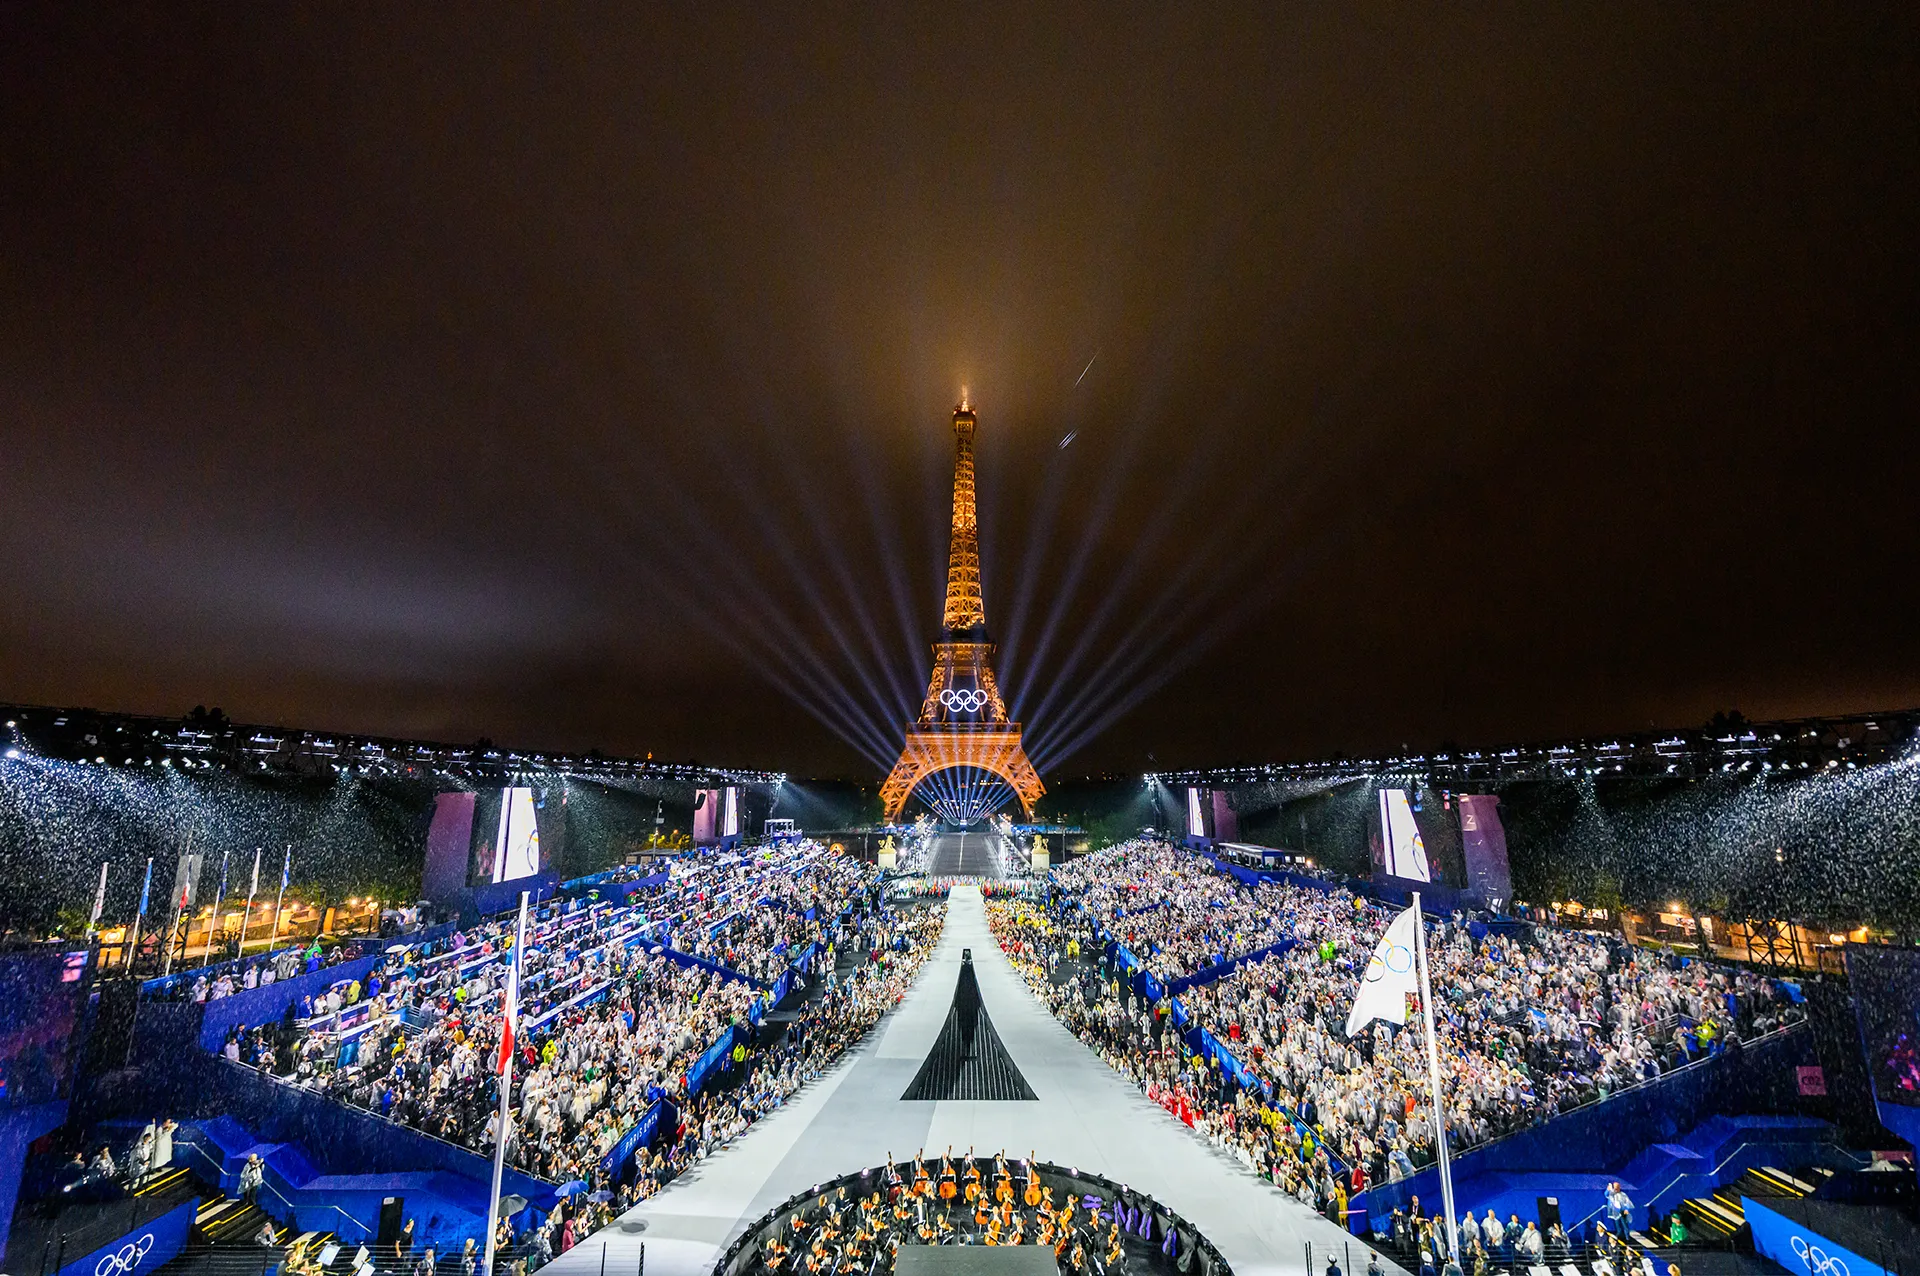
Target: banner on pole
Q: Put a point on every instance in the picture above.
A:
(1389, 976)
(99, 897)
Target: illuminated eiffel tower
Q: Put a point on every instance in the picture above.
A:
(963, 721)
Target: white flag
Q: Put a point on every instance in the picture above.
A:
(1389, 977)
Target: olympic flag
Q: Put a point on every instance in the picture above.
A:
(1389, 976)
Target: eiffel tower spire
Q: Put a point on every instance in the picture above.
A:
(964, 609)
(963, 724)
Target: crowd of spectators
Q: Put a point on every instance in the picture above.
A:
(881, 953)
(228, 978)
(610, 1020)
(1531, 1021)
(761, 940)
(1168, 906)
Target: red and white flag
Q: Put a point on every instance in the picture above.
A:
(510, 1021)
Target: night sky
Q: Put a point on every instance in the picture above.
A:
(580, 376)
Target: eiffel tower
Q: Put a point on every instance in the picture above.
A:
(963, 721)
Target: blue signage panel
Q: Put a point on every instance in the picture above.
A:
(140, 1251)
(1800, 1249)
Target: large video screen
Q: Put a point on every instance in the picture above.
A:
(516, 833)
(1886, 989)
(1196, 814)
(1405, 852)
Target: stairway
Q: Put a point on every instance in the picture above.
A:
(1722, 1217)
(163, 1182)
(228, 1221)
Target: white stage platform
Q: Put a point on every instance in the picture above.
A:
(1086, 1116)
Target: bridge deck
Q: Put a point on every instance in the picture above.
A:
(962, 855)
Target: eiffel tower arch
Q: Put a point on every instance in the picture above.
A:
(963, 721)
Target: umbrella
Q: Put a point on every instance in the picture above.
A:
(396, 948)
(602, 1195)
(511, 1205)
(568, 1189)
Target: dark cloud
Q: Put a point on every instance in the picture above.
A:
(578, 375)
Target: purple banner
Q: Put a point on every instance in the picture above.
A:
(449, 843)
(1483, 841)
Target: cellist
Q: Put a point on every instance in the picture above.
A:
(949, 1187)
(922, 1181)
(1002, 1178)
(1032, 1195)
(973, 1178)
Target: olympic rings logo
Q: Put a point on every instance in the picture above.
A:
(124, 1259)
(1399, 960)
(969, 700)
(1816, 1259)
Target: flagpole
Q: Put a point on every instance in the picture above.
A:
(286, 866)
(1433, 1076)
(509, 1014)
(180, 902)
(219, 898)
(252, 890)
(134, 947)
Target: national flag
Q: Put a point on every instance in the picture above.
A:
(1389, 976)
(99, 897)
(255, 888)
(510, 1021)
(146, 887)
(286, 868)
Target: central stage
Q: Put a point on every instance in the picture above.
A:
(1083, 1114)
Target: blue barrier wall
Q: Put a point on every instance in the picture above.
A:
(618, 1160)
(614, 892)
(191, 1085)
(1221, 970)
(445, 1208)
(714, 1057)
(167, 985)
(20, 1126)
(728, 973)
(251, 1007)
(498, 897)
(142, 1250)
(1759, 1078)
(1798, 1247)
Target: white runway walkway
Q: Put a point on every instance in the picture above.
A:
(1086, 1116)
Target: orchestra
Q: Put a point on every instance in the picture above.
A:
(835, 1236)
